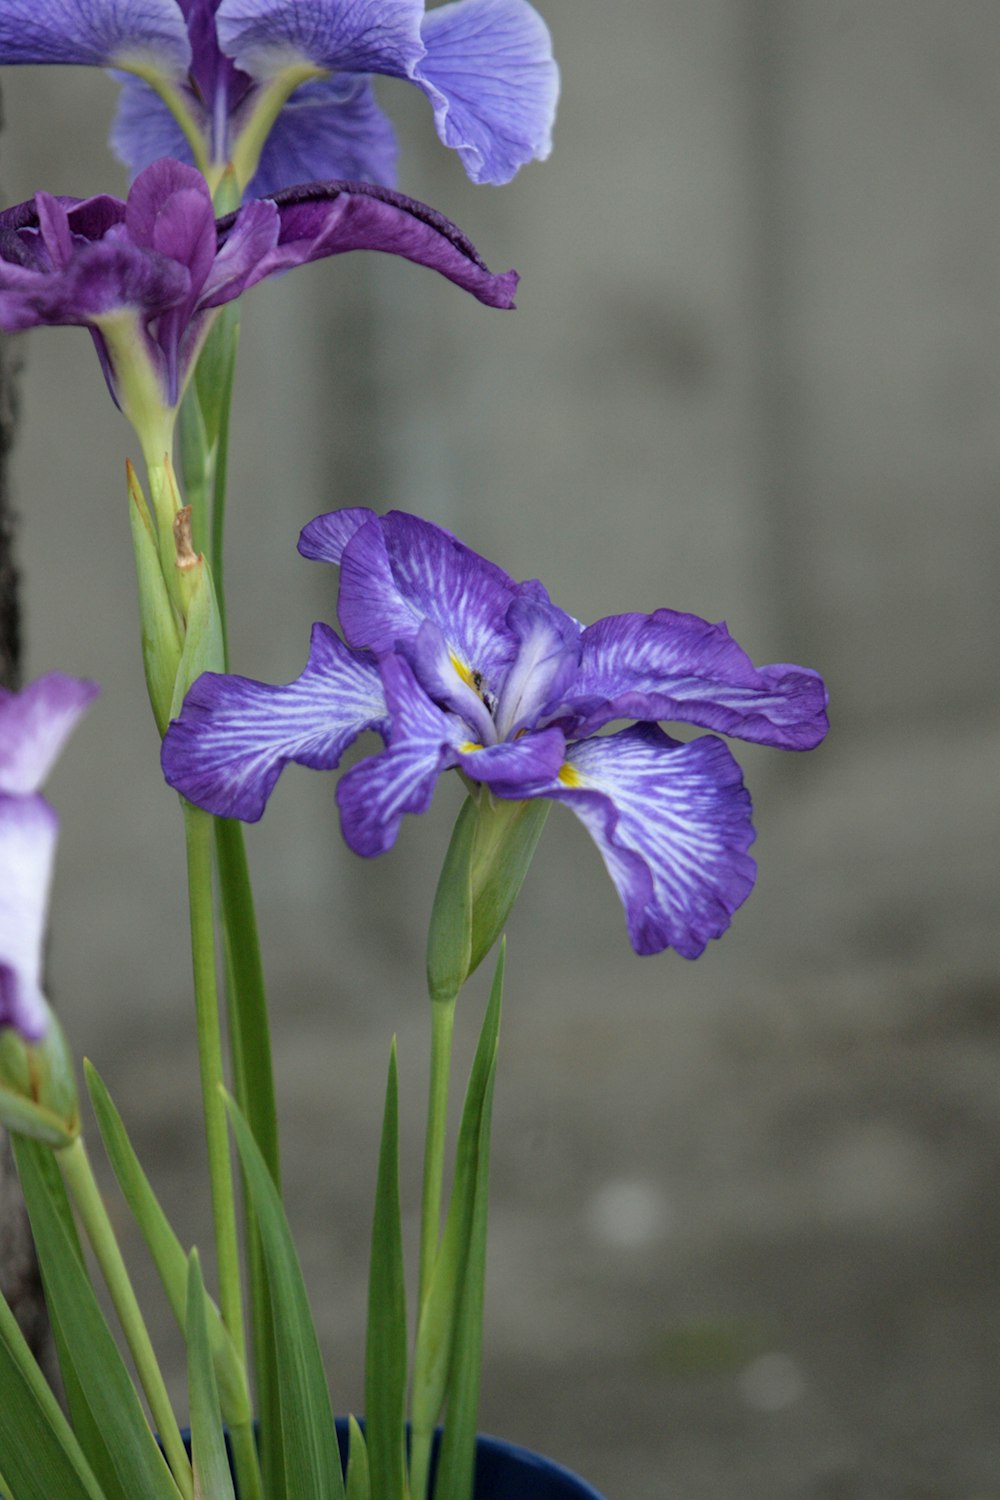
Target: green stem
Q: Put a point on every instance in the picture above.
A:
(246, 1462)
(442, 1028)
(79, 1178)
(198, 832)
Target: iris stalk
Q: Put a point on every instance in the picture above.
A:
(198, 834)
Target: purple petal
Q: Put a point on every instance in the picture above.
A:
(101, 33)
(493, 84)
(321, 219)
(548, 656)
(253, 236)
(169, 210)
(679, 667)
(235, 736)
(365, 36)
(514, 765)
(444, 677)
(672, 823)
(324, 539)
(144, 130)
(376, 793)
(35, 724)
(398, 571)
(28, 830)
(330, 129)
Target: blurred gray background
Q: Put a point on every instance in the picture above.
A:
(745, 1210)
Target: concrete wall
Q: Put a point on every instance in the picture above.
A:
(745, 1210)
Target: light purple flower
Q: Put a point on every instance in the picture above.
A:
(34, 726)
(201, 72)
(146, 275)
(456, 665)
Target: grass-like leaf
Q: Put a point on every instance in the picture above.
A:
(385, 1348)
(457, 1459)
(39, 1453)
(433, 1359)
(310, 1456)
(166, 1249)
(102, 1382)
(359, 1484)
(212, 1476)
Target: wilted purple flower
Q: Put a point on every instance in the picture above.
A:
(146, 275)
(210, 78)
(456, 665)
(34, 726)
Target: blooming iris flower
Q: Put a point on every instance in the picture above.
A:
(213, 83)
(457, 666)
(34, 725)
(147, 275)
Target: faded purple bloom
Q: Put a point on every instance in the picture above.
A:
(207, 78)
(146, 275)
(456, 665)
(34, 726)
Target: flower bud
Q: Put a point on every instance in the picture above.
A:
(488, 857)
(38, 1086)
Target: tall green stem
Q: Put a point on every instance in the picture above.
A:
(442, 1028)
(79, 1178)
(198, 831)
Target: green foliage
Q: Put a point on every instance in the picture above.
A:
(385, 1349)
(310, 1456)
(130, 1462)
(212, 1476)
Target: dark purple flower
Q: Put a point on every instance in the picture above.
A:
(284, 90)
(456, 665)
(34, 725)
(146, 275)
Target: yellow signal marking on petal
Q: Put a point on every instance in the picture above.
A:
(569, 775)
(462, 670)
(467, 747)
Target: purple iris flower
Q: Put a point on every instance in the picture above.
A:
(34, 726)
(457, 666)
(145, 276)
(210, 80)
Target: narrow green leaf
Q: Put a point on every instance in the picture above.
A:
(385, 1345)
(210, 1462)
(311, 1455)
(36, 1163)
(457, 1459)
(359, 1484)
(435, 1333)
(449, 939)
(104, 1382)
(39, 1453)
(168, 1254)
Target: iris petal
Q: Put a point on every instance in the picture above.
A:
(366, 36)
(28, 831)
(398, 571)
(492, 82)
(329, 129)
(35, 724)
(376, 793)
(675, 666)
(672, 822)
(234, 736)
(102, 33)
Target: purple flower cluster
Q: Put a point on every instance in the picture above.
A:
(34, 726)
(145, 275)
(205, 73)
(456, 665)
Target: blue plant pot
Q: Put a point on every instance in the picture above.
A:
(504, 1471)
